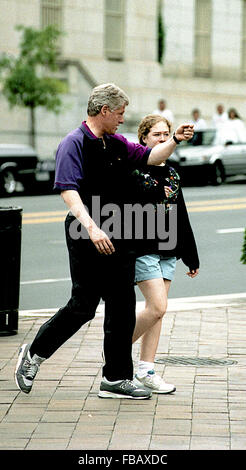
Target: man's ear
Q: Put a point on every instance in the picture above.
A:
(104, 109)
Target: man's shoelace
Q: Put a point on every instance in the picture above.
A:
(127, 384)
(30, 369)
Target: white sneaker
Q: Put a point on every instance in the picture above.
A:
(154, 382)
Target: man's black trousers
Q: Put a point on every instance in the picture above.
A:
(95, 277)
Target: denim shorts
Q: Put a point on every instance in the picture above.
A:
(154, 267)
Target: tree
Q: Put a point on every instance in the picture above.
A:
(27, 79)
(243, 257)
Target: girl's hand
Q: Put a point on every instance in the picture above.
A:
(193, 273)
(168, 191)
(184, 132)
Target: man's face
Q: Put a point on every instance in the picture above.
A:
(112, 119)
(196, 115)
(162, 105)
(220, 109)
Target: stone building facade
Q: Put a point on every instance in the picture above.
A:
(204, 59)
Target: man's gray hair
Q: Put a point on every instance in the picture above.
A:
(107, 94)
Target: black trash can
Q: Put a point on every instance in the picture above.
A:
(10, 257)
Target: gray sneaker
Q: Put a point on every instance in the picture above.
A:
(26, 369)
(123, 389)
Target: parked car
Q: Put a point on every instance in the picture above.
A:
(210, 157)
(21, 164)
(18, 163)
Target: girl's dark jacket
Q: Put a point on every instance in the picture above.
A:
(186, 248)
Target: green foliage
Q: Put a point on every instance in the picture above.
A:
(243, 257)
(27, 79)
(39, 46)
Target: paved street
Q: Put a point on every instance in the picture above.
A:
(208, 410)
(217, 215)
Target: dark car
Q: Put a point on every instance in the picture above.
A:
(18, 163)
(21, 164)
(45, 174)
(210, 157)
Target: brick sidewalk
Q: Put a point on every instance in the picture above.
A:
(208, 410)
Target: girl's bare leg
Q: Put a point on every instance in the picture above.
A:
(150, 339)
(155, 296)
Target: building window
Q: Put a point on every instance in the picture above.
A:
(51, 13)
(203, 24)
(114, 29)
(243, 56)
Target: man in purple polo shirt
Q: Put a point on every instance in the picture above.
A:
(93, 163)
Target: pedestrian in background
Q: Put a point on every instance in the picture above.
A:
(93, 161)
(163, 111)
(219, 117)
(198, 122)
(236, 126)
(233, 130)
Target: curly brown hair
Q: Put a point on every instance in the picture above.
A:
(147, 123)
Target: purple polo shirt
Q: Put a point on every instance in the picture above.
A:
(70, 156)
